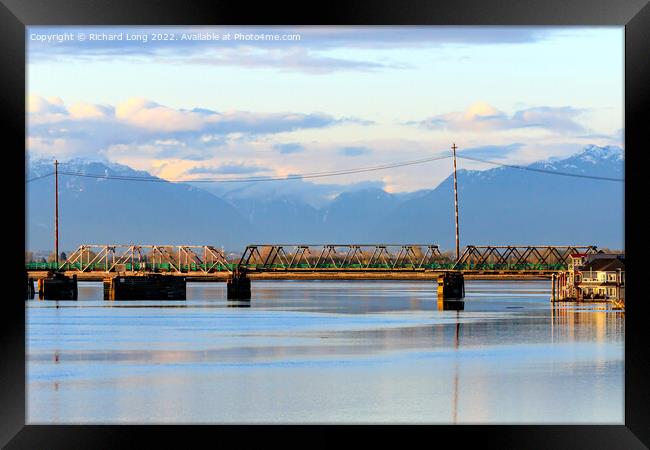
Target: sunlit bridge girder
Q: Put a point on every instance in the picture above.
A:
(147, 258)
(319, 257)
(519, 257)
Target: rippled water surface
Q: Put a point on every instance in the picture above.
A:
(326, 352)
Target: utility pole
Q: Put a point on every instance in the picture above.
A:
(453, 147)
(56, 213)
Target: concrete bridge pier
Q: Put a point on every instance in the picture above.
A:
(57, 287)
(238, 286)
(145, 287)
(451, 291)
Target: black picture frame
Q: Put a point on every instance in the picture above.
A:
(15, 15)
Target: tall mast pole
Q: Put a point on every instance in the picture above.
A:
(453, 147)
(56, 213)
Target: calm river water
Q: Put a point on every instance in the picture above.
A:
(326, 352)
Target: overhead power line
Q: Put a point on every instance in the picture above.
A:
(38, 178)
(316, 174)
(532, 169)
(256, 179)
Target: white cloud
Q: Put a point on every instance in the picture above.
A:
(140, 121)
(83, 110)
(149, 115)
(482, 116)
(41, 105)
(200, 143)
(311, 54)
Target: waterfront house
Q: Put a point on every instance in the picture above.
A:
(599, 276)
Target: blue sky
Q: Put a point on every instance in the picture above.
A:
(337, 97)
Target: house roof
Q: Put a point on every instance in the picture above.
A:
(603, 265)
(610, 255)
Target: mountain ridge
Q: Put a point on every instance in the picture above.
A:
(500, 205)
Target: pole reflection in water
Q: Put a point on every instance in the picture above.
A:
(456, 346)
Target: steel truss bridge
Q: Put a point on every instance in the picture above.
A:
(339, 257)
(518, 257)
(206, 259)
(144, 258)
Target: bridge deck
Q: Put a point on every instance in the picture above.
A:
(320, 275)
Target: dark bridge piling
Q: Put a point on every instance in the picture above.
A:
(29, 287)
(239, 286)
(451, 291)
(145, 287)
(57, 287)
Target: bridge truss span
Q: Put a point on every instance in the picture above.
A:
(199, 260)
(319, 257)
(512, 257)
(147, 258)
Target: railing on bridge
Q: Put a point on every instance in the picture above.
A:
(512, 257)
(147, 258)
(309, 257)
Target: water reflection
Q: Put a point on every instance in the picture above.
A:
(455, 404)
(326, 352)
(596, 322)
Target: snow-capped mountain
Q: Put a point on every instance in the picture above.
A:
(498, 206)
(98, 211)
(512, 206)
